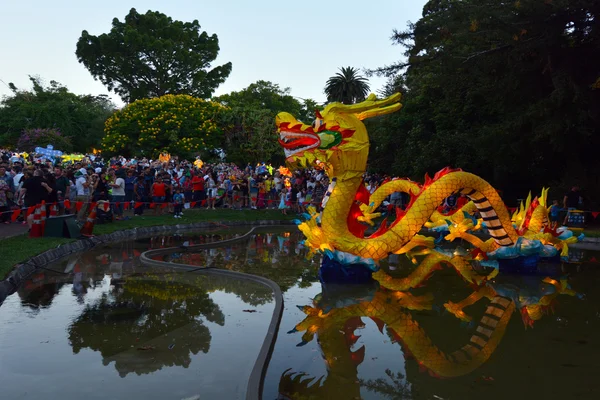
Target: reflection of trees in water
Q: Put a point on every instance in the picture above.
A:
(147, 324)
(279, 257)
(395, 387)
(39, 295)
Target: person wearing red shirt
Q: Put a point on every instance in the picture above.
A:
(198, 187)
(159, 193)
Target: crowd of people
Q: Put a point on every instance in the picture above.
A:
(166, 185)
(171, 185)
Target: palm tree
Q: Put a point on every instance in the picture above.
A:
(347, 86)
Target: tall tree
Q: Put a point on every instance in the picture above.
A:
(347, 86)
(249, 122)
(502, 89)
(150, 55)
(79, 118)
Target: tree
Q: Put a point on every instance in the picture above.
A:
(179, 124)
(347, 86)
(249, 121)
(150, 55)
(80, 119)
(32, 138)
(502, 89)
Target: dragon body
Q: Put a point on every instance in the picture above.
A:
(338, 142)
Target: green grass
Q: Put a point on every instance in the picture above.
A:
(20, 248)
(17, 249)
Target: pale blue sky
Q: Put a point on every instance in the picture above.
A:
(295, 44)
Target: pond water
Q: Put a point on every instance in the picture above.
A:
(101, 326)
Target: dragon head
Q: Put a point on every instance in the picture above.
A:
(337, 140)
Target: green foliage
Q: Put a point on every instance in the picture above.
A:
(80, 119)
(32, 138)
(179, 124)
(249, 121)
(150, 55)
(502, 89)
(347, 86)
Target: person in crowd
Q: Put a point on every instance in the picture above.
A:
(253, 188)
(118, 196)
(283, 201)
(198, 187)
(211, 185)
(318, 193)
(140, 195)
(34, 191)
(178, 199)
(245, 192)
(52, 197)
(63, 187)
(553, 213)
(4, 205)
(262, 192)
(159, 193)
(130, 180)
(84, 189)
(572, 201)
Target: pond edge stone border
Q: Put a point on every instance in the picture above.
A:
(22, 271)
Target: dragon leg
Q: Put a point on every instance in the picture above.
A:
(457, 308)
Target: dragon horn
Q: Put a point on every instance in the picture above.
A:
(371, 107)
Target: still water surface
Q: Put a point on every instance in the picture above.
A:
(101, 326)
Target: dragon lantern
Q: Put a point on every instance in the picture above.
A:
(338, 142)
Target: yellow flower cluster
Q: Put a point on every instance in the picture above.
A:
(184, 121)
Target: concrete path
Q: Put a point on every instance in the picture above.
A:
(13, 229)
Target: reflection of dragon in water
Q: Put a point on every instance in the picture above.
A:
(335, 332)
(339, 143)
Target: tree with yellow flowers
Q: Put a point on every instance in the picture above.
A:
(178, 124)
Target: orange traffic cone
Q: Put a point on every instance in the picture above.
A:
(36, 227)
(44, 214)
(88, 227)
(53, 210)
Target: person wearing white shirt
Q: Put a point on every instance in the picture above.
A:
(118, 196)
(82, 185)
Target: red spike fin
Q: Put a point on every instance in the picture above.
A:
(284, 125)
(354, 226)
(353, 323)
(382, 229)
(318, 114)
(362, 194)
(380, 324)
(351, 339)
(527, 321)
(358, 356)
(445, 171)
(428, 180)
(346, 133)
(476, 252)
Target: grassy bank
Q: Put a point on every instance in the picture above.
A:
(17, 249)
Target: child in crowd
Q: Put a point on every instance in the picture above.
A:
(554, 212)
(178, 200)
(283, 201)
(301, 199)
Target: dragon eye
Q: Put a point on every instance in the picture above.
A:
(318, 123)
